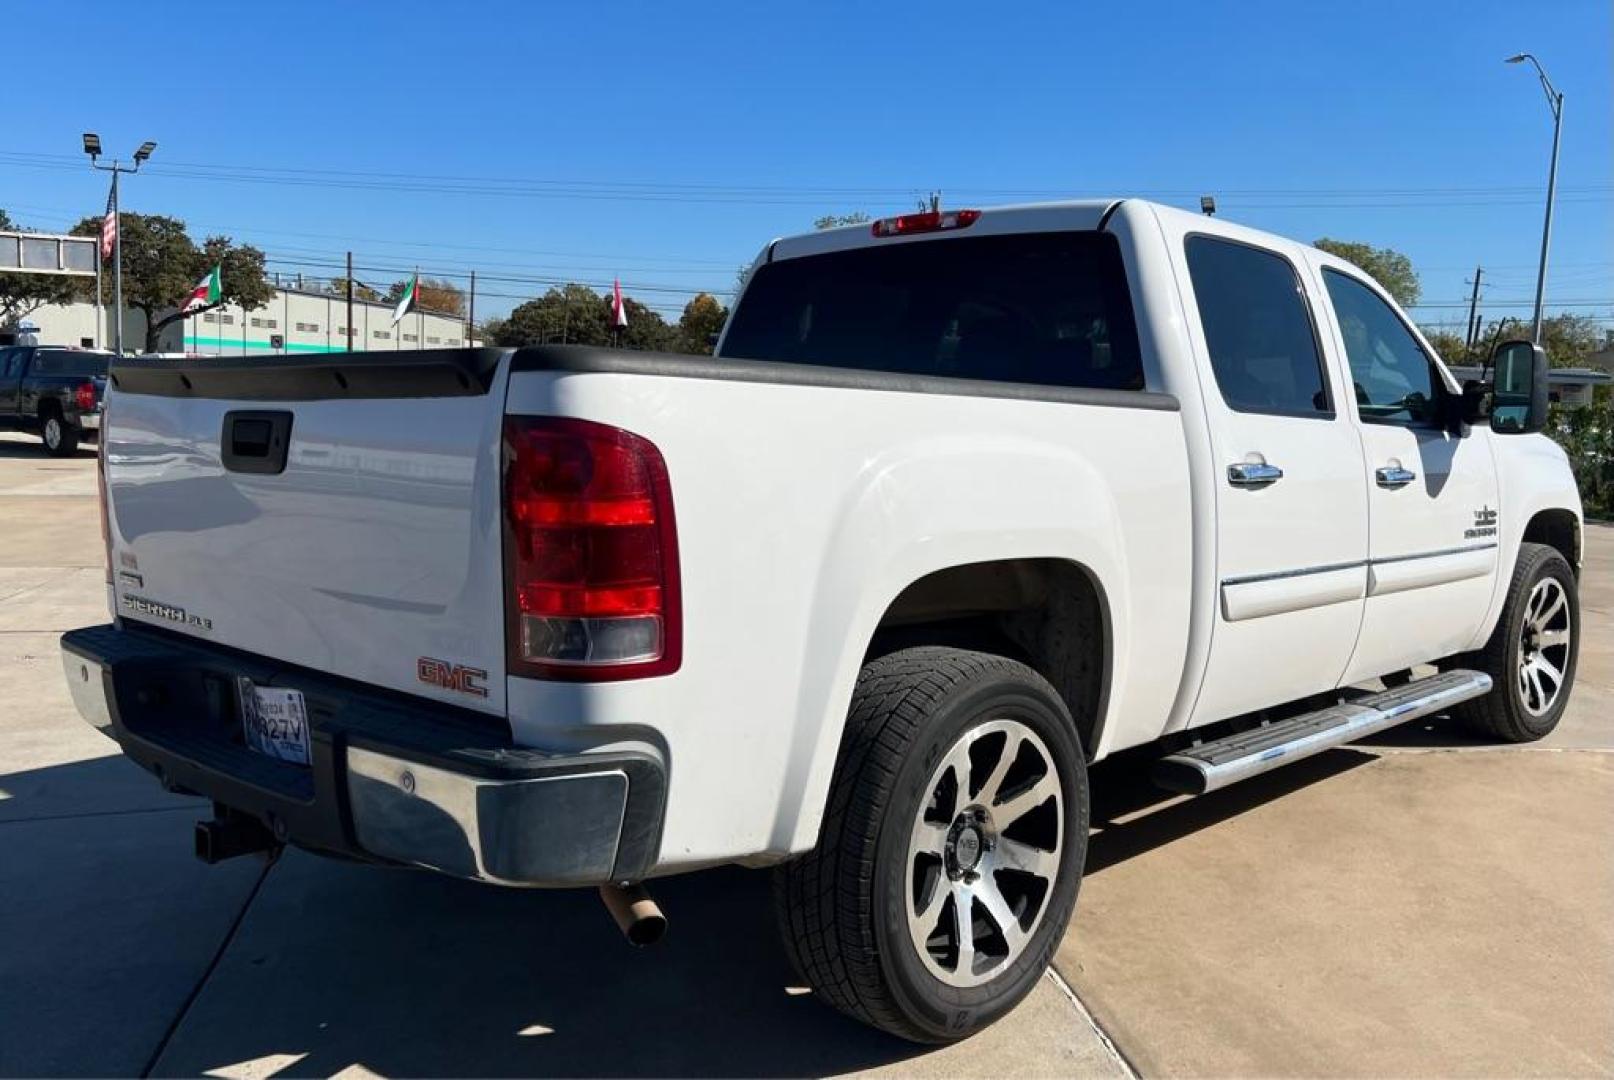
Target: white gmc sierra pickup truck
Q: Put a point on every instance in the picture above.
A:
(965, 502)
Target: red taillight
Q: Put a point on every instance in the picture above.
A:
(928, 221)
(84, 397)
(591, 553)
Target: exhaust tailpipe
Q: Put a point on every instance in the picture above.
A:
(636, 914)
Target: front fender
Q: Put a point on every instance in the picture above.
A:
(1533, 475)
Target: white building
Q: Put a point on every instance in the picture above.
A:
(294, 321)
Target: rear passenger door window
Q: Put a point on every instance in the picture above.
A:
(1392, 377)
(1258, 329)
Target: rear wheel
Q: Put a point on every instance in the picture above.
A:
(60, 437)
(1531, 655)
(951, 849)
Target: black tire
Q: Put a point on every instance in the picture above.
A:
(1504, 713)
(842, 908)
(59, 436)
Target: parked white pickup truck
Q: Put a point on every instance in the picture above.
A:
(965, 502)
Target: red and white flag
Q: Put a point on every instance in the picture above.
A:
(109, 228)
(619, 309)
(208, 292)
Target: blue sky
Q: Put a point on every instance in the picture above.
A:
(665, 144)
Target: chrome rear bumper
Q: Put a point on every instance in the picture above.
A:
(389, 780)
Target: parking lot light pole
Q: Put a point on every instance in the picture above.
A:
(1555, 101)
(92, 147)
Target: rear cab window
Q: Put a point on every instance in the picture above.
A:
(1045, 308)
(85, 365)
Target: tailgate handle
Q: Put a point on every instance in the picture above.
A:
(255, 441)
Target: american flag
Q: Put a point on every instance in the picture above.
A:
(109, 228)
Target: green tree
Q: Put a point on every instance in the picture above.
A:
(338, 287)
(1587, 436)
(703, 317)
(1586, 432)
(1451, 347)
(577, 315)
(161, 264)
(432, 294)
(23, 294)
(835, 221)
(1388, 267)
(569, 314)
(1569, 339)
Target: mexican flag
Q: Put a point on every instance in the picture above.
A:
(208, 292)
(406, 302)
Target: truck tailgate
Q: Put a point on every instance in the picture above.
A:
(373, 553)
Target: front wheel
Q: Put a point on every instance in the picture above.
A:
(951, 849)
(1531, 654)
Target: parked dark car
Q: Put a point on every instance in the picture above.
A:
(52, 391)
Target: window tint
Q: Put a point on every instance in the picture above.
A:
(1048, 308)
(10, 362)
(62, 362)
(1258, 330)
(1393, 378)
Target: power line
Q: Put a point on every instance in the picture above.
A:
(699, 192)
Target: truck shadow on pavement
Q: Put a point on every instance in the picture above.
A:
(1131, 816)
(310, 966)
(330, 964)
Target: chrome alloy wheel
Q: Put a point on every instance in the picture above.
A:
(53, 433)
(1544, 646)
(984, 852)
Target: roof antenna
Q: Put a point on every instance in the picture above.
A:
(1207, 205)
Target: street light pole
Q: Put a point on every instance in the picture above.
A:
(1555, 101)
(92, 147)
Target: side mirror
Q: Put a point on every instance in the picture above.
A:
(1519, 402)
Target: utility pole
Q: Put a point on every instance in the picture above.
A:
(350, 301)
(1473, 309)
(470, 313)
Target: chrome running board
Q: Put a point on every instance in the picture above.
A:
(1220, 762)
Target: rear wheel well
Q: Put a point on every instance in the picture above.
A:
(1049, 614)
(1557, 529)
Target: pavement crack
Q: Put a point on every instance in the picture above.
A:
(98, 813)
(1103, 1036)
(207, 974)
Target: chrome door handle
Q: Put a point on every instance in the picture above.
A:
(1253, 474)
(1394, 476)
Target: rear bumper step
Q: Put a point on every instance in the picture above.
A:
(390, 779)
(1235, 757)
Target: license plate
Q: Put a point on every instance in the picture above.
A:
(275, 721)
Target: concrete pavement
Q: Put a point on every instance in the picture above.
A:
(1394, 908)
(1422, 904)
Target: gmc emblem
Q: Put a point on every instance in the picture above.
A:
(456, 677)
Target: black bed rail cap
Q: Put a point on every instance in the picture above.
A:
(402, 373)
